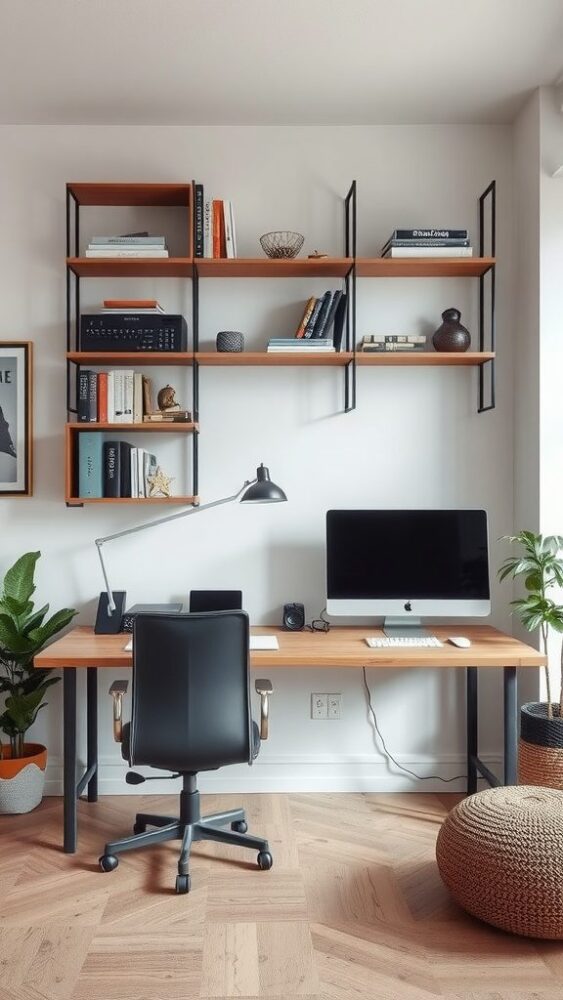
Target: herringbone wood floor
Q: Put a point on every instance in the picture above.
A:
(352, 909)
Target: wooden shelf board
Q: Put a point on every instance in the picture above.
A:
(422, 267)
(264, 267)
(423, 359)
(131, 267)
(275, 359)
(130, 194)
(160, 426)
(179, 501)
(135, 358)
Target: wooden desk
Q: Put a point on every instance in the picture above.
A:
(341, 647)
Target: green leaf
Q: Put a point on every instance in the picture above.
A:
(18, 581)
(10, 638)
(39, 636)
(35, 620)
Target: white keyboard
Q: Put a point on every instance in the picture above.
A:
(410, 642)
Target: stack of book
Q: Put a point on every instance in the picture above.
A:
(120, 396)
(214, 226)
(321, 326)
(112, 468)
(379, 343)
(428, 243)
(129, 245)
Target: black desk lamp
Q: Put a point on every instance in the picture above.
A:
(259, 490)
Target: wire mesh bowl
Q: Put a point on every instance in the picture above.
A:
(282, 244)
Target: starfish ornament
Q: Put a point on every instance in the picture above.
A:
(159, 483)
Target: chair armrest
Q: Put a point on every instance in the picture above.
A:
(264, 689)
(117, 690)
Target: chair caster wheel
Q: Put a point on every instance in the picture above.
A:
(183, 884)
(108, 862)
(139, 828)
(265, 860)
(241, 826)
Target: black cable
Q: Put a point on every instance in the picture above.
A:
(389, 755)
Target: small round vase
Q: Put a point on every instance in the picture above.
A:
(229, 341)
(451, 335)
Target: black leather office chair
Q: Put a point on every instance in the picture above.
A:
(190, 713)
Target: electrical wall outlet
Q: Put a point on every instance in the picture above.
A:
(334, 706)
(319, 706)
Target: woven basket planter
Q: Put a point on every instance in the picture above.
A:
(499, 853)
(22, 779)
(540, 756)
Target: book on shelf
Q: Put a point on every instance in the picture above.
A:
(112, 469)
(430, 234)
(86, 396)
(120, 396)
(132, 305)
(208, 227)
(198, 219)
(90, 465)
(134, 239)
(125, 451)
(422, 251)
(392, 338)
(167, 416)
(229, 230)
(423, 243)
(300, 332)
(322, 317)
(313, 319)
(293, 346)
(340, 320)
(102, 392)
(126, 252)
(214, 226)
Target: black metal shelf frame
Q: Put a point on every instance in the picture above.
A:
(73, 328)
(350, 230)
(487, 370)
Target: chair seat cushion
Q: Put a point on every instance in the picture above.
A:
(126, 737)
(499, 853)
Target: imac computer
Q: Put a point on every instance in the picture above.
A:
(405, 565)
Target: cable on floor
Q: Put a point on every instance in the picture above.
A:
(389, 755)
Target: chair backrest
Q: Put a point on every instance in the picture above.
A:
(216, 600)
(191, 691)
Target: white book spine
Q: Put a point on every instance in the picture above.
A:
(443, 252)
(228, 230)
(138, 398)
(128, 396)
(127, 253)
(134, 483)
(207, 228)
(118, 396)
(111, 397)
(233, 230)
(141, 472)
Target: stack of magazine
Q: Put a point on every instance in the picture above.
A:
(128, 245)
(428, 243)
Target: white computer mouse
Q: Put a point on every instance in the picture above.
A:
(460, 640)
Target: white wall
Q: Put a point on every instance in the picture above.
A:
(415, 439)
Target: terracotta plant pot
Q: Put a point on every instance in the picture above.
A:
(540, 754)
(22, 779)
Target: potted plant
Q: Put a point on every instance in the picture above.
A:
(539, 563)
(23, 633)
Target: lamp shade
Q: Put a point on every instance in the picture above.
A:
(263, 490)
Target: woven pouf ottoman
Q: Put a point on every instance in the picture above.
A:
(500, 853)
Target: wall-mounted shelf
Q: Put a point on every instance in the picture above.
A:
(160, 426)
(131, 358)
(275, 359)
(423, 267)
(72, 501)
(426, 359)
(264, 267)
(131, 267)
(116, 194)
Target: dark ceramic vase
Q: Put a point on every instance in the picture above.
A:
(451, 335)
(229, 341)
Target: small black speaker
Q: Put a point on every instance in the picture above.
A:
(216, 600)
(107, 624)
(294, 617)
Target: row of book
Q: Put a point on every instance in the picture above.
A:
(378, 343)
(321, 326)
(121, 396)
(113, 468)
(130, 245)
(214, 226)
(428, 243)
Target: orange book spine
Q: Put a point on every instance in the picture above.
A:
(217, 217)
(306, 317)
(102, 397)
(130, 303)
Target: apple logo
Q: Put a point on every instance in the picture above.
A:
(408, 606)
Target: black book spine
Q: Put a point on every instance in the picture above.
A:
(111, 469)
(313, 319)
(125, 468)
(198, 220)
(430, 234)
(86, 396)
(339, 321)
(322, 317)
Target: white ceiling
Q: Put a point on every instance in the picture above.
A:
(274, 61)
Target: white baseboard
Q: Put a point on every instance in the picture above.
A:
(294, 773)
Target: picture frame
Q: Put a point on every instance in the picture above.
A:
(16, 418)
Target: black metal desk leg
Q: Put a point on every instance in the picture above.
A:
(510, 726)
(69, 773)
(472, 729)
(92, 731)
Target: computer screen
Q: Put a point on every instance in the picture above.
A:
(378, 561)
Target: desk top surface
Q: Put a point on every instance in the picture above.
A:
(341, 647)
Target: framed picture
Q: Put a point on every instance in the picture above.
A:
(16, 441)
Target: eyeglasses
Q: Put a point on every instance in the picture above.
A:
(319, 624)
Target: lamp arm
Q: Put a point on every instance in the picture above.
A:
(151, 524)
